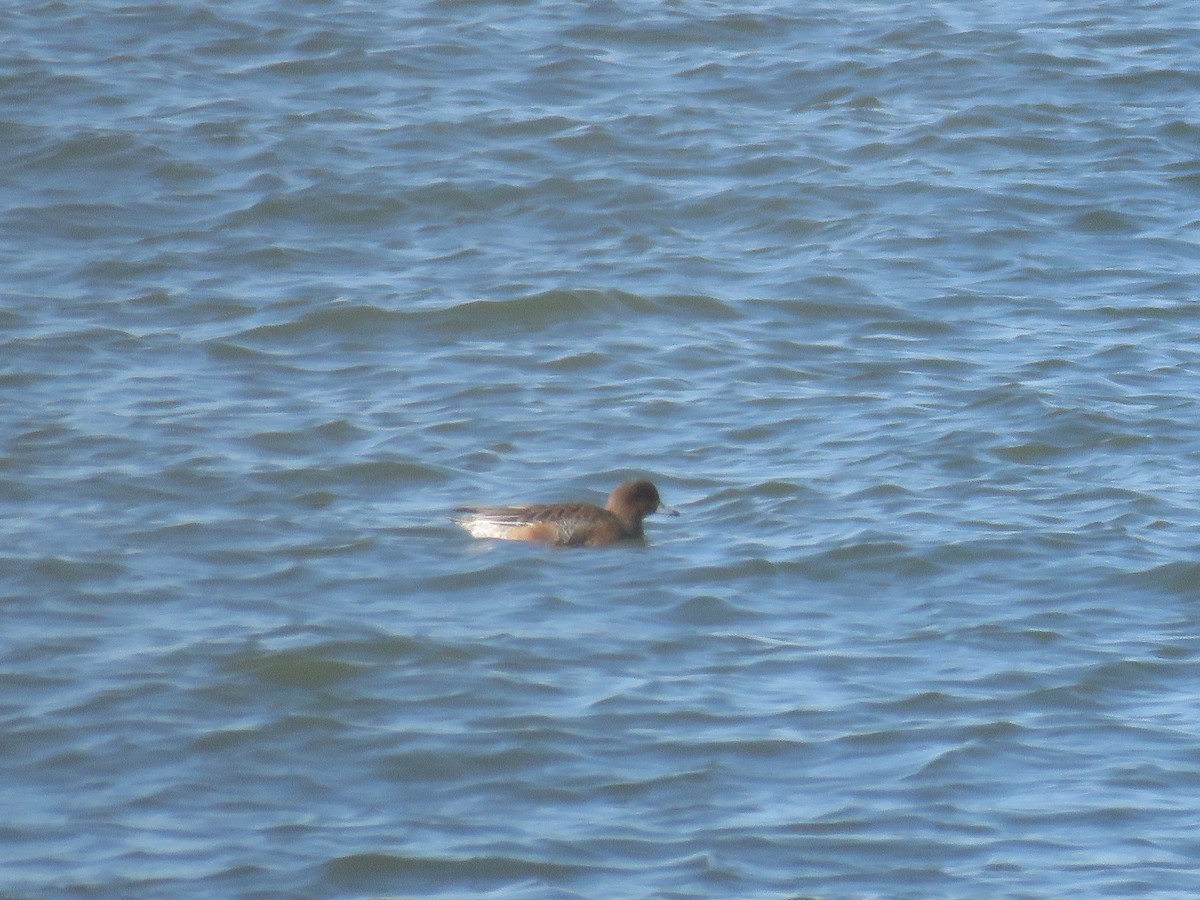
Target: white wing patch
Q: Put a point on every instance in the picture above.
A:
(492, 522)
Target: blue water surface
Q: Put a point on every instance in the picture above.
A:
(895, 302)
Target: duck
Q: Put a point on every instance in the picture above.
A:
(575, 524)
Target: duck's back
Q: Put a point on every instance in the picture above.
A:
(562, 524)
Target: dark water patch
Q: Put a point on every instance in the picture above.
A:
(741, 567)
(497, 762)
(475, 198)
(906, 328)
(1150, 310)
(340, 320)
(1189, 181)
(1066, 698)
(1159, 83)
(893, 495)
(587, 360)
(1105, 221)
(542, 311)
(523, 316)
(227, 351)
(78, 222)
(316, 500)
(833, 299)
(1030, 453)
(537, 312)
(1178, 577)
(388, 872)
(384, 474)
(1132, 676)
(314, 207)
(275, 256)
(498, 572)
(129, 269)
(74, 571)
(97, 151)
(1014, 635)
(870, 554)
(709, 611)
(314, 438)
(307, 669)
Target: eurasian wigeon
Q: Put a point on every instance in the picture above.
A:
(569, 524)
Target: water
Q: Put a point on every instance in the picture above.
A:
(897, 304)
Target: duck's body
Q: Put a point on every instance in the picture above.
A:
(568, 524)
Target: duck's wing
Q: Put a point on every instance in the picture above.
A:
(557, 523)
